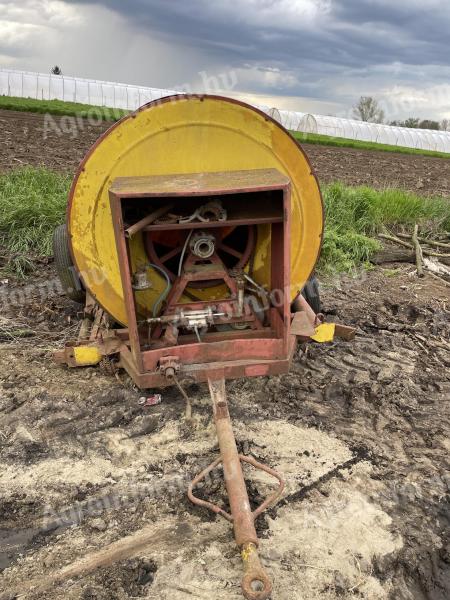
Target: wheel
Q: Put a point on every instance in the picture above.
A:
(312, 295)
(68, 277)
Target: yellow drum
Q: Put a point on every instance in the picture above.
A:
(186, 134)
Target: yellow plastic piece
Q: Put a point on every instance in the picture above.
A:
(187, 135)
(86, 355)
(324, 333)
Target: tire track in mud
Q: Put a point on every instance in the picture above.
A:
(363, 422)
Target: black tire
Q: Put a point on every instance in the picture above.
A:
(311, 294)
(67, 274)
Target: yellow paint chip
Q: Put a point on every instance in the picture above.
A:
(86, 355)
(324, 333)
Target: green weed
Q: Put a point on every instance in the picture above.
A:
(33, 202)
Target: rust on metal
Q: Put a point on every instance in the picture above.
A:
(302, 325)
(345, 332)
(203, 274)
(147, 220)
(202, 184)
(142, 140)
(256, 584)
(222, 411)
(272, 345)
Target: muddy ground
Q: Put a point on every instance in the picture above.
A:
(61, 143)
(359, 429)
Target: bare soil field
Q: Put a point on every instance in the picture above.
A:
(61, 143)
(359, 429)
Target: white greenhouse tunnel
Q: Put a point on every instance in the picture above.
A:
(423, 139)
(42, 86)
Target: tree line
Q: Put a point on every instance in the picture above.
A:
(368, 109)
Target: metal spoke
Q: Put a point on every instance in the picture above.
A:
(229, 250)
(171, 254)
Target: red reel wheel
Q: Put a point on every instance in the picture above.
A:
(234, 245)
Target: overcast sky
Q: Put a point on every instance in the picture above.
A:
(309, 55)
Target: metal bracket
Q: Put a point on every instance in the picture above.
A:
(215, 508)
(169, 366)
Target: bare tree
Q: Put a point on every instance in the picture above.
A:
(56, 70)
(445, 125)
(368, 110)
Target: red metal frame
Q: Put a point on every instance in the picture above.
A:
(251, 352)
(242, 257)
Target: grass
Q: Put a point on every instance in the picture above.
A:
(354, 216)
(326, 140)
(60, 108)
(33, 202)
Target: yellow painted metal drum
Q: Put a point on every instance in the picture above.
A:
(186, 134)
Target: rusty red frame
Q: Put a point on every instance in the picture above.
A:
(238, 354)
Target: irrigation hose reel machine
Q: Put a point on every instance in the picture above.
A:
(192, 226)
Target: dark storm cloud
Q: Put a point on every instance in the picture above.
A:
(324, 50)
(329, 51)
(346, 33)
